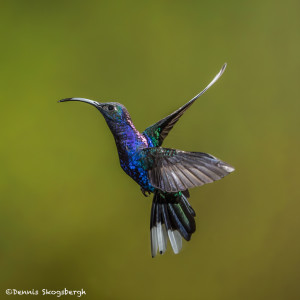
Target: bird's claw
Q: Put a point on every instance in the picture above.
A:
(144, 192)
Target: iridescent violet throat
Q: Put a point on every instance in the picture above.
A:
(167, 173)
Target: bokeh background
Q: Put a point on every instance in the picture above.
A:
(69, 216)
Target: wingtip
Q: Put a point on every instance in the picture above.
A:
(228, 168)
(223, 69)
(211, 83)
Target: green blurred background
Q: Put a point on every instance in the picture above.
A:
(70, 217)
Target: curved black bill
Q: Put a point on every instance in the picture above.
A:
(92, 102)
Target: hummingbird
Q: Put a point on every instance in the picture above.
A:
(165, 172)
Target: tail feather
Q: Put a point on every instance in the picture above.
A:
(153, 231)
(186, 219)
(187, 205)
(174, 236)
(161, 231)
(171, 217)
(176, 222)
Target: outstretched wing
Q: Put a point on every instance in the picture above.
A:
(173, 170)
(158, 131)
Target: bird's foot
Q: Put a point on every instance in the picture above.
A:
(145, 192)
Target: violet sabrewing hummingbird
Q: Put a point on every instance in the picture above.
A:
(167, 173)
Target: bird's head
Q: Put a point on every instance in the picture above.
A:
(113, 112)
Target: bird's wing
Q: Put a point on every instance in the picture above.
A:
(158, 131)
(172, 170)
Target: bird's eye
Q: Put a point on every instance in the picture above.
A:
(110, 107)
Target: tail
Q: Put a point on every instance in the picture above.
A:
(171, 216)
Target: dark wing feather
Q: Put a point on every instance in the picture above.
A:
(173, 170)
(158, 131)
